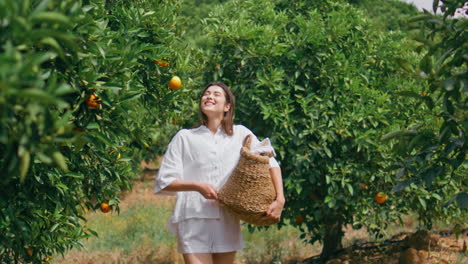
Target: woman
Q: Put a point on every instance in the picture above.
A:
(197, 163)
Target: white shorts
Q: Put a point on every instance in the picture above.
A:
(200, 235)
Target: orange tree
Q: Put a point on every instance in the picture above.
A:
(431, 168)
(83, 95)
(319, 81)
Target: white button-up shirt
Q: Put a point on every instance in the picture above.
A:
(196, 155)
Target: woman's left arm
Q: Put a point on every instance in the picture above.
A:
(276, 208)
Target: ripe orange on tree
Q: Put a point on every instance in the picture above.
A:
(93, 101)
(105, 207)
(380, 197)
(161, 63)
(175, 83)
(299, 219)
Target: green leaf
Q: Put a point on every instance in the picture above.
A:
(59, 159)
(101, 137)
(92, 125)
(422, 202)
(436, 196)
(397, 134)
(350, 189)
(24, 165)
(405, 65)
(63, 89)
(41, 6)
(419, 18)
(50, 17)
(62, 186)
(54, 227)
(130, 96)
(54, 44)
(327, 151)
(74, 175)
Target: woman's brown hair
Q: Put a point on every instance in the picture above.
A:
(228, 120)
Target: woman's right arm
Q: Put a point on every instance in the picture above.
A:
(205, 189)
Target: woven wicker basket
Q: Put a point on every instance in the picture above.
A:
(249, 191)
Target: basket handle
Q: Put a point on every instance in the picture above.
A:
(247, 142)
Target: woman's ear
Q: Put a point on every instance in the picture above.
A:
(227, 107)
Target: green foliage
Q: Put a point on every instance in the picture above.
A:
(58, 156)
(191, 14)
(387, 14)
(433, 159)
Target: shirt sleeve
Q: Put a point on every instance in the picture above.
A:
(171, 168)
(273, 162)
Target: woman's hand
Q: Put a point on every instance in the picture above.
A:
(208, 191)
(274, 210)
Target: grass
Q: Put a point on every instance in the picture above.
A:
(142, 224)
(274, 245)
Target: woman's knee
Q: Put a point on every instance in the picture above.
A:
(198, 258)
(224, 258)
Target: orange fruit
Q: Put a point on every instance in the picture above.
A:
(299, 219)
(175, 83)
(93, 101)
(105, 207)
(161, 63)
(380, 197)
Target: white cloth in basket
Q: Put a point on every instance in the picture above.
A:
(263, 148)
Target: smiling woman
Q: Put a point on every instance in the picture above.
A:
(198, 161)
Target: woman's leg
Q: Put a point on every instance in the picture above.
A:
(198, 258)
(224, 258)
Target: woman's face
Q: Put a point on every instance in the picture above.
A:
(213, 101)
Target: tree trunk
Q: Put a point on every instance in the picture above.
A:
(332, 239)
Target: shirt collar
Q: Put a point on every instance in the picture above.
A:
(203, 128)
